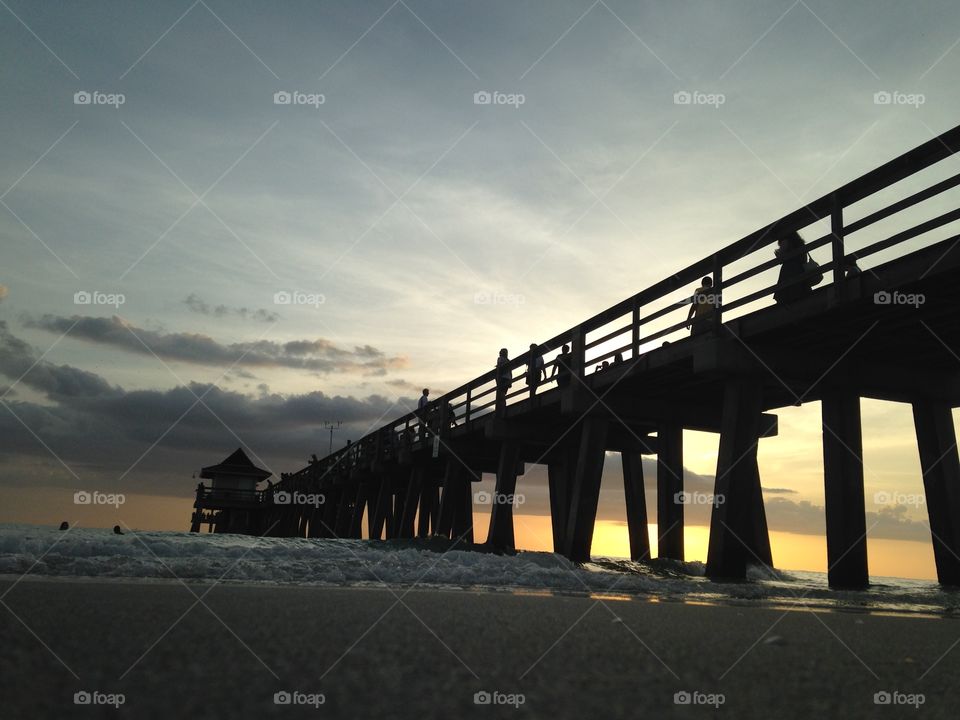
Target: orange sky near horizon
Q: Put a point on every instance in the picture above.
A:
(791, 551)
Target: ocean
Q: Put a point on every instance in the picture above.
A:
(157, 556)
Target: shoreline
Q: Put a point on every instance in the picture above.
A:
(689, 599)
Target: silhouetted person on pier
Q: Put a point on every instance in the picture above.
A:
(64, 525)
(562, 369)
(618, 358)
(536, 372)
(504, 371)
(451, 415)
(422, 411)
(117, 530)
(702, 306)
(793, 264)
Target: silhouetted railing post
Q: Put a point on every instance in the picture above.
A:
(836, 230)
(444, 419)
(466, 416)
(579, 353)
(718, 294)
(635, 335)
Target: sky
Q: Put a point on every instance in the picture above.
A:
(191, 264)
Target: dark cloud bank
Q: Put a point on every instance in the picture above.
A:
(99, 429)
(319, 355)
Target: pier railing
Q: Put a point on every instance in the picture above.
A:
(230, 495)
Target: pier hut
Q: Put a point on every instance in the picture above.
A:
(232, 502)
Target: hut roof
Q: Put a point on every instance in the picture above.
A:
(236, 464)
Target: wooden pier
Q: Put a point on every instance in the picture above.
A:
(889, 331)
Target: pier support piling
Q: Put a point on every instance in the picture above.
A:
(843, 490)
(669, 487)
(344, 512)
(411, 500)
(585, 489)
(360, 503)
(501, 536)
(738, 526)
(559, 472)
(382, 508)
(426, 517)
(453, 477)
(463, 510)
(636, 502)
(937, 442)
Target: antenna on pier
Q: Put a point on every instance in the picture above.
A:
(331, 426)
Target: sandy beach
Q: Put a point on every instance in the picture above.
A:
(426, 653)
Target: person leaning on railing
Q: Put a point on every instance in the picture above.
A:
(504, 379)
(536, 372)
(422, 404)
(504, 372)
(794, 263)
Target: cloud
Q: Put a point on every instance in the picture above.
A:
(320, 355)
(401, 384)
(195, 303)
(805, 518)
(99, 431)
(56, 381)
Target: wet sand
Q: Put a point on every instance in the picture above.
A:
(373, 653)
